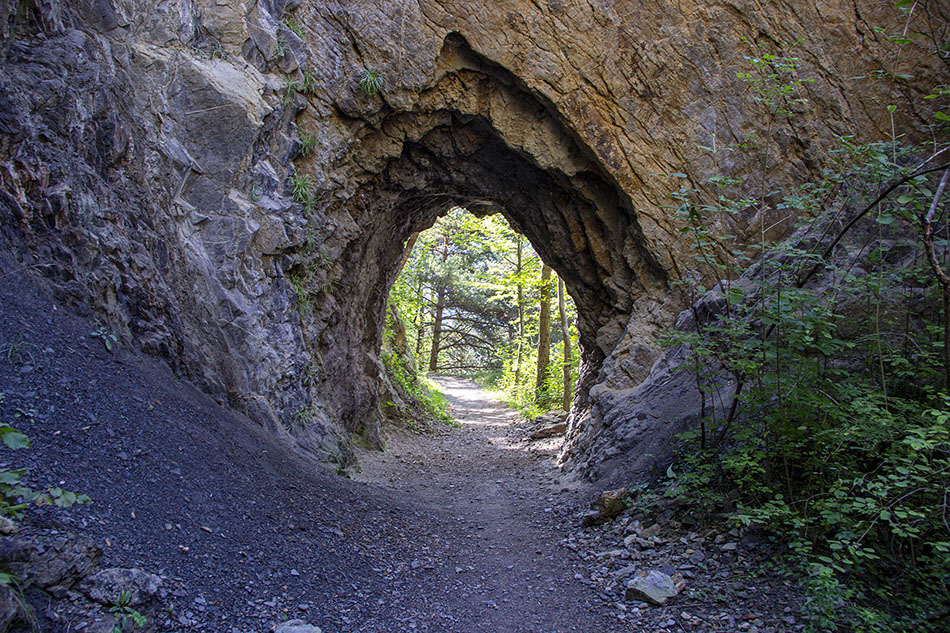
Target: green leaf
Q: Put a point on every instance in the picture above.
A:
(13, 438)
(900, 4)
(65, 499)
(942, 117)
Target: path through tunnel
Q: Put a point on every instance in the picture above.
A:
(476, 139)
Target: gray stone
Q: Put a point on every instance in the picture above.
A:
(106, 586)
(549, 431)
(653, 586)
(296, 626)
(61, 560)
(623, 572)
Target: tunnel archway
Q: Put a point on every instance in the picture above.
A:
(478, 139)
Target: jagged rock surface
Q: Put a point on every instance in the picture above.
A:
(147, 154)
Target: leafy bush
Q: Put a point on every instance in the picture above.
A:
(834, 435)
(127, 618)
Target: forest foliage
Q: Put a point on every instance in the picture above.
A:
(471, 296)
(823, 362)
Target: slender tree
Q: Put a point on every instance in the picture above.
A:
(568, 394)
(544, 332)
(439, 310)
(518, 266)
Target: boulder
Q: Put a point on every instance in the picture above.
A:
(549, 431)
(609, 504)
(60, 561)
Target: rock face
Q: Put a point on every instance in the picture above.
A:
(212, 181)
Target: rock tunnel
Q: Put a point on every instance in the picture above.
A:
(481, 141)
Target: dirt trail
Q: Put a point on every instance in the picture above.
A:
(510, 506)
(456, 532)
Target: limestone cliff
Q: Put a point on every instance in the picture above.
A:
(149, 154)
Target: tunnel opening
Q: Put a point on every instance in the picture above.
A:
(474, 299)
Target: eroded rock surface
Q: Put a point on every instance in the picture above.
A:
(149, 153)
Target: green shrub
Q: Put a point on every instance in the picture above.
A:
(836, 439)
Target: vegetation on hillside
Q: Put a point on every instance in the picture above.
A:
(823, 364)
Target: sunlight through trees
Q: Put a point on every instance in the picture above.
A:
(475, 299)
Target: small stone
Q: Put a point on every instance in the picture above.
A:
(653, 586)
(296, 626)
(623, 572)
(729, 547)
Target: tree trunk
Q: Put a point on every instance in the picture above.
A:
(420, 334)
(400, 340)
(942, 276)
(568, 394)
(544, 334)
(437, 330)
(520, 320)
(406, 252)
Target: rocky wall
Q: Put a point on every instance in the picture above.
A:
(149, 153)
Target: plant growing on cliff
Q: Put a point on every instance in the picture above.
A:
(109, 340)
(293, 25)
(309, 82)
(288, 91)
(308, 143)
(302, 190)
(370, 81)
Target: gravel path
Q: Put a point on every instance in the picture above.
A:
(453, 533)
(510, 509)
